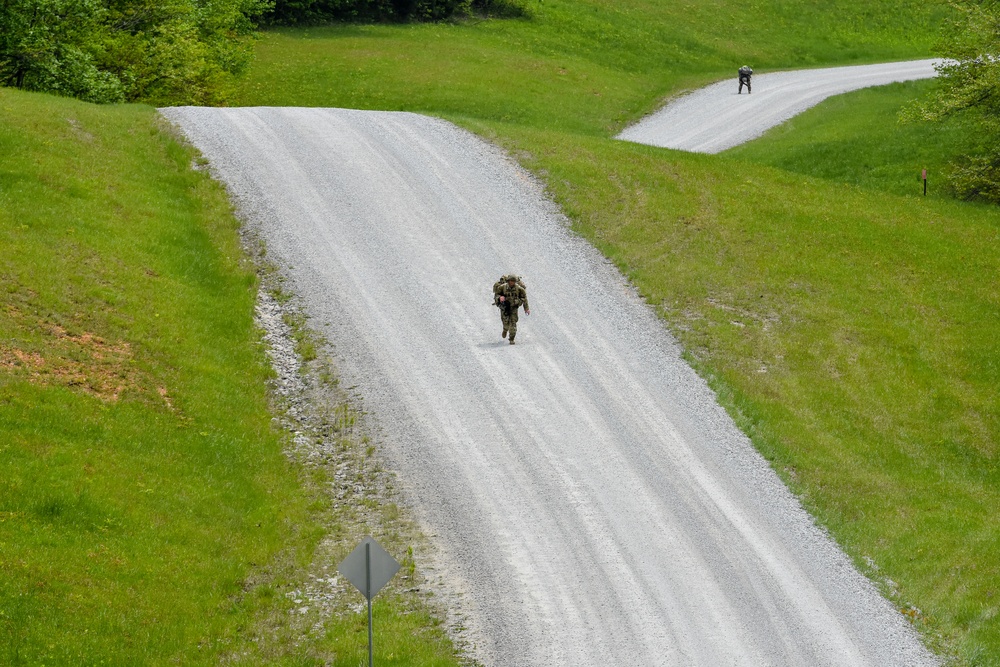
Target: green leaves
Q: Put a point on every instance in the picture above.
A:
(970, 86)
(43, 47)
(171, 52)
(312, 12)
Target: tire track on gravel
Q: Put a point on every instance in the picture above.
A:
(591, 502)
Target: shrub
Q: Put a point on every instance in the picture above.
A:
(970, 87)
(163, 52)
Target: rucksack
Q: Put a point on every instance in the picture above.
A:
(503, 281)
(745, 71)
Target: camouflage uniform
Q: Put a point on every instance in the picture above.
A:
(515, 296)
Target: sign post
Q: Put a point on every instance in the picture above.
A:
(369, 567)
(923, 174)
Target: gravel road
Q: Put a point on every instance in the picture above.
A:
(715, 118)
(591, 502)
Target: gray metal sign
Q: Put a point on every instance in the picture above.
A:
(369, 567)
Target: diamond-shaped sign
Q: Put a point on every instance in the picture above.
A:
(369, 567)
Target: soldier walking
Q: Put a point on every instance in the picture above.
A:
(509, 294)
(745, 73)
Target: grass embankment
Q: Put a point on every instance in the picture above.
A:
(858, 139)
(148, 514)
(852, 332)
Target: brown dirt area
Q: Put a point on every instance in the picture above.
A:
(85, 361)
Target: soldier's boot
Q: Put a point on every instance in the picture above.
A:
(504, 334)
(511, 341)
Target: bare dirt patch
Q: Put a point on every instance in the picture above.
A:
(82, 361)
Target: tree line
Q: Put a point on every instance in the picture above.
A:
(168, 52)
(156, 51)
(314, 12)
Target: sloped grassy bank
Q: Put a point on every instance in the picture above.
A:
(859, 140)
(149, 513)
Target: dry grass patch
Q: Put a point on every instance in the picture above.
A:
(55, 357)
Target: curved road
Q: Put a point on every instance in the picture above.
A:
(590, 500)
(715, 118)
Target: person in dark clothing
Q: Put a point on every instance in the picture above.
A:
(745, 73)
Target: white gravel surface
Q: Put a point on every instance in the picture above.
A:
(590, 500)
(715, 118)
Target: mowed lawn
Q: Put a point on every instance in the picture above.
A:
(850, 326)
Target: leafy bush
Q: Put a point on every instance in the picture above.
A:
(977, 176)
(161, 52)
(970, 87)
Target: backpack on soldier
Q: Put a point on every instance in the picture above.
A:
(745, 72)
(503, 281)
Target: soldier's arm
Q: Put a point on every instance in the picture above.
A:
(524, 299)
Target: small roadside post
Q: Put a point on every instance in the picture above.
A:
(369, 567)
(923, 174)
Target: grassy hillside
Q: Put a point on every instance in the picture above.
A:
(873, 149)
(850, 328)
(131, 509)
(148, 513)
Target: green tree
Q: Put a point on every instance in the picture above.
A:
(970, 88)
(49, 45)
(310, 12)
(157, 51)
(179, 51)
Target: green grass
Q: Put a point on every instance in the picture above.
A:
(146, 500)
(587, 66)
(131, 508)
(849, 326)
(147, 511)
(858, 139)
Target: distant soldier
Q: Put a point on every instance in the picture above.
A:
(745, 73)
(509, 294)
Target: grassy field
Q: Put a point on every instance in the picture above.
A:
(873, 150)
(586, 67)
(850, 326)
(148, 512)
